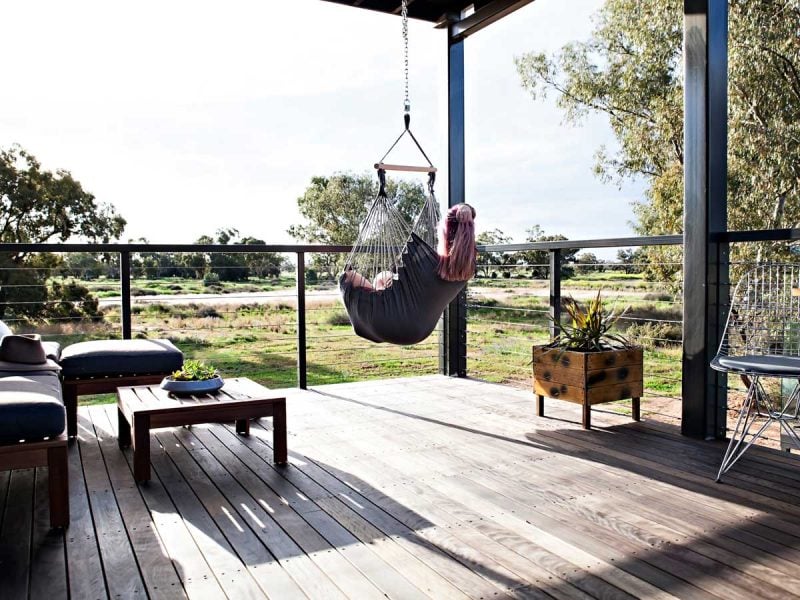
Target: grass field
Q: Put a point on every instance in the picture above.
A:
(169, 286)
(259, 340)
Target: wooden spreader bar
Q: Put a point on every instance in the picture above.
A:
(409, 168)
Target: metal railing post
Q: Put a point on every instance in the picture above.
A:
(125, 289)
(442, 348)
(302, 375)
(555, 292)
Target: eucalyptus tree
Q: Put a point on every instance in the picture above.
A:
(630, 69)
(37, 206)
(334, 207)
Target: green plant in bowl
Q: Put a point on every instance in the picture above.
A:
(194, 370)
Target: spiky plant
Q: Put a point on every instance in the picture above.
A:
(589, 327)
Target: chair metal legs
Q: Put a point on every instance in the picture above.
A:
(759, 404)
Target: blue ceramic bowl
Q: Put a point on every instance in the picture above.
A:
(192, 387)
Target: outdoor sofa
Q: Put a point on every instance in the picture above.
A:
(39, 389)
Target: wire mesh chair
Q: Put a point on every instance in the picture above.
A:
(762, 340)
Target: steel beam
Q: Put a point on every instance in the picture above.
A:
(706, 284)
(483, 17)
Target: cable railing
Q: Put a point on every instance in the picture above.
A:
(283, 328)
(286, 326)
(513, 302)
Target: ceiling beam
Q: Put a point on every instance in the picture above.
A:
(484, 16)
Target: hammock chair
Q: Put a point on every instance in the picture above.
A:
(404, 298)
(408, 309)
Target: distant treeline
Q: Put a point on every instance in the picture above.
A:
(219, 266)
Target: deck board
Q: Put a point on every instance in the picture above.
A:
(424, 487)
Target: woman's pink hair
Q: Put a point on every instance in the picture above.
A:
(457, 250)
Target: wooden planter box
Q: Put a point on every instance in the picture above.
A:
(587, 378)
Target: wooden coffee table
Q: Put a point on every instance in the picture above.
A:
(145, 407)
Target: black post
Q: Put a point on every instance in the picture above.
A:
(454, 358)
(706, 283)
(555, 292)
(302, 375)
(125, 293)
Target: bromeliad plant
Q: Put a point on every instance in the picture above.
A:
(589, 327)
(194, 370)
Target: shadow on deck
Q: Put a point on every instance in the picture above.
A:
(410, 488)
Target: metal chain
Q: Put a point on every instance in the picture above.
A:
(404, 15)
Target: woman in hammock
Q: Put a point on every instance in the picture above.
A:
(457, 252)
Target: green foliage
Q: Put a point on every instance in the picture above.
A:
(225, 266)
(194, 370)
(38, 206)
(211, 278)
(633, 261)
(262, 264)
(334, 207)
(489, 262)
(88, 266)
(587, 263)
(338, 319)
(631, 70)
(539, 260)
(589, 326)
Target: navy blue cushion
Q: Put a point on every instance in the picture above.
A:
(777, 365)
(30, 407)
(113, 358)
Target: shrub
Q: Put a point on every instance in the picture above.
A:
(654, 335)
(210, 279)
(659, 297)
(338, 318)
(160, 309)
(208, 312)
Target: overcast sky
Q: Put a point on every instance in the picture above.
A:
(194, 115)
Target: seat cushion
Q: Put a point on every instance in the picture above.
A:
(31, 407)
(110, 358)
(776, 365)
(52, 350)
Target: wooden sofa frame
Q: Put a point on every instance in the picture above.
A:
(48, 453)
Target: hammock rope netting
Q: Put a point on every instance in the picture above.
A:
(390, 287)
(408, 309)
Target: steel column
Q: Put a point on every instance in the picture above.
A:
(706, 282)
(302, 370)
(125, 293)
(454, 358)
(555, 293)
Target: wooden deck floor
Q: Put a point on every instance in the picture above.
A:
(417, 488)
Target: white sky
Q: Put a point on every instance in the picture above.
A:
(194, 115)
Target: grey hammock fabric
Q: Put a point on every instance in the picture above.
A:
(406, 312)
